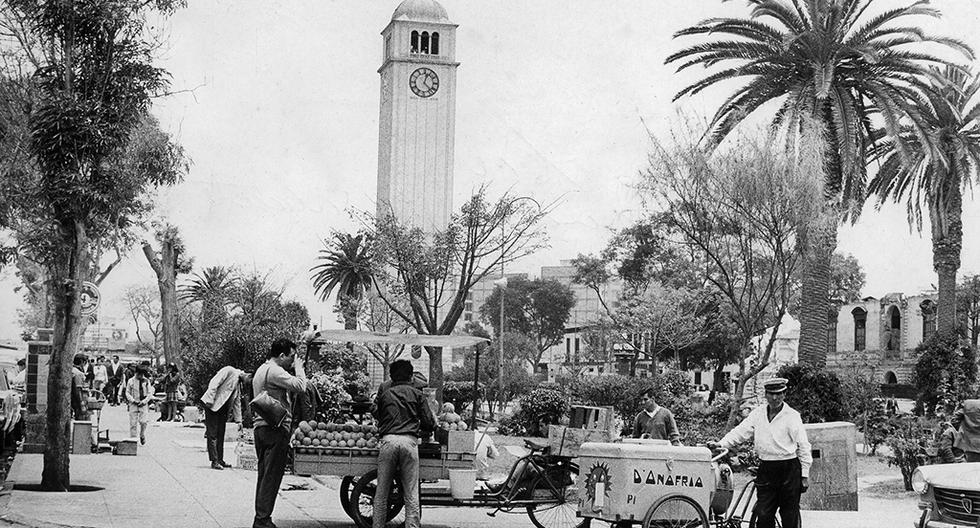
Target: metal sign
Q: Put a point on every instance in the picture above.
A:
(91, 298)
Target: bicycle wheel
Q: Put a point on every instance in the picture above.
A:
(676, 511)
(362, 500)
(346, 487)
(557, 510)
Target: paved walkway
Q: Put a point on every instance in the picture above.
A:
(170, 484)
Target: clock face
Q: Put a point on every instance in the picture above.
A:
(424, 82)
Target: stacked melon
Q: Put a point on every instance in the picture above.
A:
(449, 420)
(351, 438)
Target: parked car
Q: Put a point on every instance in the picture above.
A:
(950, 495)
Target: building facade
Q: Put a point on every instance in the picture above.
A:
(880, 335)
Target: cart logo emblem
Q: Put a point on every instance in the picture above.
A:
(597, 486)
(967, 504)
(670, 465)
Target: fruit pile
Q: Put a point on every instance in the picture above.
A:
(351, 438)
(449, 420)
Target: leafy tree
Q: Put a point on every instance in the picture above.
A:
(538, 309)
(375, 316)
(945, 373)
(933, 170)
(739, 215)
(817, 394)
(345, 265)
(425, 277)
(841, 63)
(516, 379)
(166, 264)
(91, 67)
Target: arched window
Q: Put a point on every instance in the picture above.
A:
(894, 329)
(434, 44)
(415, 42)
(860, 327)
(928, 318)
(424, 45)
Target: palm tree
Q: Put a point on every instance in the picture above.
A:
(213, 288)
(932, 175)
(345, 265)
(831, 62)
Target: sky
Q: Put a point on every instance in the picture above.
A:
(276, 105)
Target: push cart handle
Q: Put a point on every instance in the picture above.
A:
(722, 453)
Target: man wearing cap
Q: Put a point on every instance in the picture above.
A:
(781, 443)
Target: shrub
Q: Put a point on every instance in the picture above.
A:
(908, 440)
(333, 394)
(460, 394)
(671, 390)
(537, 410)
(351, 365)
(816, 394)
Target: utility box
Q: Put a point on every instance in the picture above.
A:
(81, 437)
(833, 476)
(621, 481)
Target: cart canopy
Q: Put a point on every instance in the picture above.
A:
(358, 336)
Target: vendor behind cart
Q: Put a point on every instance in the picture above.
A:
(403, 417)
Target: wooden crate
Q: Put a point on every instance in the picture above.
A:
(566, 441)
(429, 468)
(585, 417)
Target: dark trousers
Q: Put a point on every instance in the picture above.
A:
(778, 486)
(214, 431)
(272, 450)
(110, 391)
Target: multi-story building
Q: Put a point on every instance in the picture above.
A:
(880, 335)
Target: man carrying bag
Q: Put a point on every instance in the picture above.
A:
(272, 387)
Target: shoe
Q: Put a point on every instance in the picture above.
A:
(224, 464)
(143, 440)
(216, 465)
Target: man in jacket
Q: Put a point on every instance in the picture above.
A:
(966, 419)
(221, 399)
(139, 392)
(272, 440)
(115, 372)
(403, 417)
(780, 440)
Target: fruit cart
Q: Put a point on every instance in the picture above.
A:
(539, 484)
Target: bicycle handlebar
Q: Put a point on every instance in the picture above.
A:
(723, 452)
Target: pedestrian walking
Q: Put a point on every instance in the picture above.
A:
(784, 450)
(223, 398)
(966, 420)
(655, 422)
(403, 417)
(171, 384)
(101, 375)
(271, 439)
(115, 372)
(139, 392)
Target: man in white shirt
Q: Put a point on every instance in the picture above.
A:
(781, 443)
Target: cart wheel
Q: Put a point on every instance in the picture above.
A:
(346, 488)
(362, 500)
(676, 511)
(558, 512)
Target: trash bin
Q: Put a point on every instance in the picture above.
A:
(833, 476)
(462, 482)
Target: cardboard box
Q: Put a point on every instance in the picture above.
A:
(585, 417)
(461, 442)
(81, 437)
(125, 447)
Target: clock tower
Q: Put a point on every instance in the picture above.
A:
(418, 115)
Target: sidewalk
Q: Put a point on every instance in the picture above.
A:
(169, 484)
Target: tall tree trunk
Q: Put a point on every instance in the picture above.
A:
(436, 376)
(946, 246)
(815, 306)
(165, 267)
(66, 280)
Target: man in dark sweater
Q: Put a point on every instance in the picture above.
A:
(403, 417)
(654, 421)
